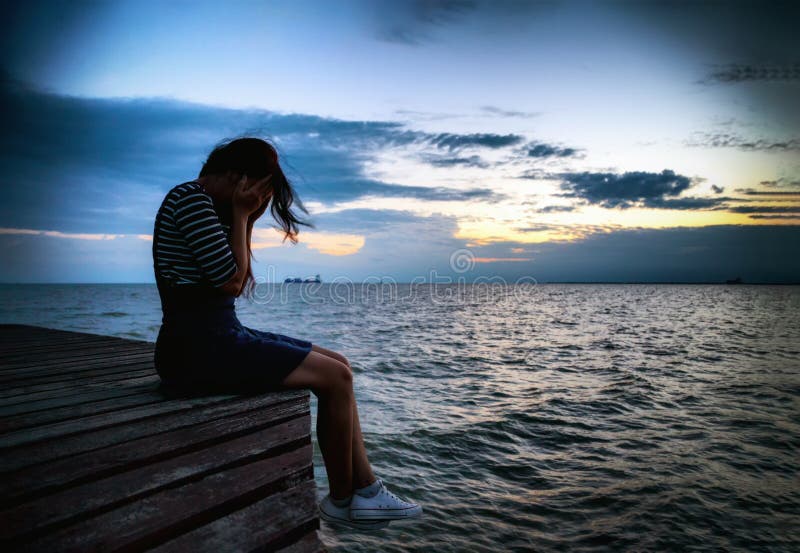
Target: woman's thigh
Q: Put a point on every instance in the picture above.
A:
(330, 353)
(320, 373)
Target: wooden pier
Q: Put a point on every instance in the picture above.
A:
(96, 456)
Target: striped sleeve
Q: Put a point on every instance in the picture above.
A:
(199, 224)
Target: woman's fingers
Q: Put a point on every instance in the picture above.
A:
(263, 182)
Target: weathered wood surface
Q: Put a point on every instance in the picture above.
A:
(96, 456)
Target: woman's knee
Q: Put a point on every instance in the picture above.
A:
(330, 353)
(322, 374)
(341, 377)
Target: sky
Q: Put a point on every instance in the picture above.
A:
(429, 140)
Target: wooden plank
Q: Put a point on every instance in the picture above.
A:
(16, 333)
(27, 394)
(48, 432)
(14, 330)
(34, 335)
(70, 375)
(57, 357)
(55, 463)
(278, 521)
(74, 408)
(69, 506)
(8, 394)
(173, 511)
(73, 365)
(149, 384)
(64, 344)
(72, 346)
(74, 350)
(69, 367)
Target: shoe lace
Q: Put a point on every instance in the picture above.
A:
(393, 496)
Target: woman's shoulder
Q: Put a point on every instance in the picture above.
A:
(184, 192)
(185, 188)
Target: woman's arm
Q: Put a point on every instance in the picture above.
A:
(239, 247)
(241, 229)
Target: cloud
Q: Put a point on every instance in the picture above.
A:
(417, 115)
(741, 72)
(625, 190)
(765, 209)
(687, 203)
(444, 161)
(556, 209)
(726, 140)
(499, 112)
(776, 216)
(537, 174)
(107, 163)
(453, 142)
(754, 192)
(780, 182)
(70, 235)
(547, 150)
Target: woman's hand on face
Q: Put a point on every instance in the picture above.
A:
(248, 198)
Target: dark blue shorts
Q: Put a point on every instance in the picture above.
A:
(226, 358)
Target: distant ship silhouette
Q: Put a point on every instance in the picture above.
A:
(315, 278)
(737, 280)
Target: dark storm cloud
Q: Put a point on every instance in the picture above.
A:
(106, 163)
(739, 72)
(440, 161)
(556, 209)
(623, 190)
(753, 192)
(453, 142)
(775, 217)
(548, 150)
(726, 140)
(765, 209)
(688, 203)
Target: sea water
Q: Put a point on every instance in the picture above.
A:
(539, 417)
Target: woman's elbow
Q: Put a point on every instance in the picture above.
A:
(233, 287)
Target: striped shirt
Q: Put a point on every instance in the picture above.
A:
(190, 243)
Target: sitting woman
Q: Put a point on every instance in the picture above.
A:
(201, 259)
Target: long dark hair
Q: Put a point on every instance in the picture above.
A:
(257, 158)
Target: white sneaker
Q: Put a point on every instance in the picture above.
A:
(341, 515)
(384, 505)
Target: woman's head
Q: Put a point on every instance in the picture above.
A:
(257, 158)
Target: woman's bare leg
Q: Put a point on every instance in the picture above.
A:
(332, 383)
(362, 470)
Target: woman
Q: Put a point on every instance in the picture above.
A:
(201, 259)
